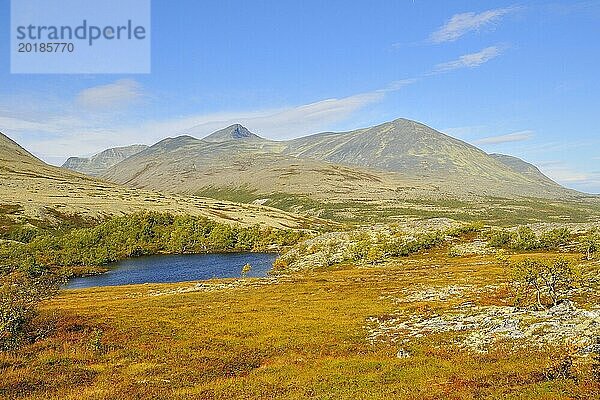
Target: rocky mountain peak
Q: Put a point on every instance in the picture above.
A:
(233, 132)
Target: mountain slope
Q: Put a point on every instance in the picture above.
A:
(31, 190)
(395, 171)
(400, 156)
(188, 165)
(99, 163)
(416, 150)
(522, 167)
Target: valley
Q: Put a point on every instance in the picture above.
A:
(400, 170)
(399, 273)
(284, 200)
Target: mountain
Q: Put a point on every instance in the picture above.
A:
(399, 155)
(414, 149)
(233, 132)
(98, 163)
(396, 170)
(522, 167)
(32, 191)
(15, 162)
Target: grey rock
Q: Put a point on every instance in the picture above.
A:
(99, 163)
(402, 353)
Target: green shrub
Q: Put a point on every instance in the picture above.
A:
(590, 244)
(548, 282)
(246, 269)
(360, 248)
(500, 239)
(554, 239)
(23, 234)
(466, 228)
(20, 295)
(375, 254)
(525, 239)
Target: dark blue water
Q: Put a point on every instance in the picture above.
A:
(178, 268)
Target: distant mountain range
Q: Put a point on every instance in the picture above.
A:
(395, 160)
(99, 163)
(33, 192)
(397, 171)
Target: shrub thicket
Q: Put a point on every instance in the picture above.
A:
(140, 234)
(20, 294)
(524, 238)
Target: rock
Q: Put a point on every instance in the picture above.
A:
(402, 353)
(591, 349)
(563, 324)
(564, 307)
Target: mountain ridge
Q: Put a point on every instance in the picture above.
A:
(98, 163)
(402, 153)
(39, 193)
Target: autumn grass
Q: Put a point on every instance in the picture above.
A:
(301, 337)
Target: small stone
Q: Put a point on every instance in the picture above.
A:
(591, 349)
(566, 306)
(402, 353)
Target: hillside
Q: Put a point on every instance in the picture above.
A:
(396, 170)
(402, 152)
(521, 167)
(102, 161)
(416, 150)
(32, 191)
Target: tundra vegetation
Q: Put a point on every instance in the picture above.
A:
(33, 262)
(309, 330)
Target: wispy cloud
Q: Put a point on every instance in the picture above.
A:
(287, 122)
(472, 60)
(11, 124)
(461, 24)
(399, 84)
(508, 138)
(111, 96)
(91, 121)
(566, 175)
(56, 135)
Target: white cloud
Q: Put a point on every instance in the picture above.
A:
(472, 60)
(282, 123)
(508, 138)
(565, 175)
(57, 136)
(461, 24)
(397, 85)
(111, 96)
(10, 124)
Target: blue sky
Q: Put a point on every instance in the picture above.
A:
(509, 77)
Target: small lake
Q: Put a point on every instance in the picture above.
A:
(177, 268)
